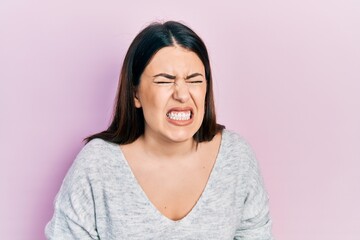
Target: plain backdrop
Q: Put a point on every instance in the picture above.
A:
(286, 76)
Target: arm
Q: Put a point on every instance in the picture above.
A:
(255, 222)
(74, 214)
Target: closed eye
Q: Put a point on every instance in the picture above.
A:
(164, 82)
(195, 81)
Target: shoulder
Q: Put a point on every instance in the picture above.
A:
(92, 157)
(237, 150)
(239, 154)
(88, 166)
(96, 145)
(235, 142)
(96, 149)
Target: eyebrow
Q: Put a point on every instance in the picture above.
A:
(194, 75)
(165, 75)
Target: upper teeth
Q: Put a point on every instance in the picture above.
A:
(179, 115)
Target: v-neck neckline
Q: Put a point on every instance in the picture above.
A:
(198, 204)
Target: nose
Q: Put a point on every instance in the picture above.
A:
(181, 91)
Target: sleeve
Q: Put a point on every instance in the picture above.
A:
(255, 221)
(74, 211)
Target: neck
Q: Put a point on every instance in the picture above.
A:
(166, 149)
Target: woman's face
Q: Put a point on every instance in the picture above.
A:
(171, 94)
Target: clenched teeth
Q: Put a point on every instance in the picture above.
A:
(179, 116)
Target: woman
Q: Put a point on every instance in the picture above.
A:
(164, 169)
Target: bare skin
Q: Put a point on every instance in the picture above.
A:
(174, 183)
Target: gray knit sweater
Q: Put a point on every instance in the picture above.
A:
(101, 199)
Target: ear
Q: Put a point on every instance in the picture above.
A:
(137, 100)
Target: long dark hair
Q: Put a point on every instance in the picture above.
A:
(128, 121)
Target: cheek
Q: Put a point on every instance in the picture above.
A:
(199, 95)
(153, 101)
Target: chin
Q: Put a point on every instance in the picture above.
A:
(181, 136)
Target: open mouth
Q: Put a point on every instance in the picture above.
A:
(179, 115)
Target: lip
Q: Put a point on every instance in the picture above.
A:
(181, 122)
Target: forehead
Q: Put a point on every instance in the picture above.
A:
(175, 59)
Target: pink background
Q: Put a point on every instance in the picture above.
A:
(287, 78)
